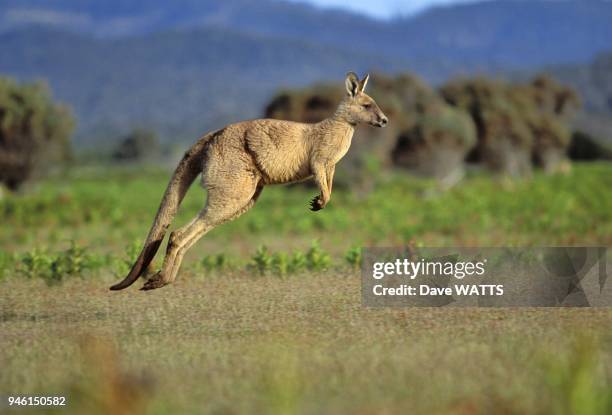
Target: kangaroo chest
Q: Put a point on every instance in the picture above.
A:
(341, 142)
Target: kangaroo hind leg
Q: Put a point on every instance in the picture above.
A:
(222, 205)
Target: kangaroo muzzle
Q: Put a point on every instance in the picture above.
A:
(381, 122)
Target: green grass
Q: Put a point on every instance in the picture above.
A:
(281, 329)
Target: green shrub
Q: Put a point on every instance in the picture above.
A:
(38, 264)
(298, 262)
(261, 261)
(218, 262)
(316, 258)
(353, 257)
(54, 267)
(280, 264)
(284, 264)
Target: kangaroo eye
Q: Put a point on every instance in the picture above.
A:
(367, 106)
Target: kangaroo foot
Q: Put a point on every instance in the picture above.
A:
(156, 281)
(316, 204)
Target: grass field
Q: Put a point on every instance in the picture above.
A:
(242, 333)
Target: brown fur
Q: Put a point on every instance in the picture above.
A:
(239, 160)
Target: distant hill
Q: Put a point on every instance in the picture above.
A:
(491, 33)
(179, 83)
(185, 66)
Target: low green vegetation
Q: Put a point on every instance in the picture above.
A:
(108, 212)
(76, 261)
(88, 225)
(314, 259)
(54, 267)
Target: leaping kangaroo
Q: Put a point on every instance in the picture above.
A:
(238, 160)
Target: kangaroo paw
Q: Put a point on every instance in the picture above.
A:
(316, 204)
(156, 281)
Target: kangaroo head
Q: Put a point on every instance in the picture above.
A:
(358, 107)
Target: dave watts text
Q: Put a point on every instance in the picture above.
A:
(430, 290)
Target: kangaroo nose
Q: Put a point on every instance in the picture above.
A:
(383, 121)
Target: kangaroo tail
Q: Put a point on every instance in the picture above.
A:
(184, 175)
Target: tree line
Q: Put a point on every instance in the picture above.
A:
(505, 127)
(509, 128)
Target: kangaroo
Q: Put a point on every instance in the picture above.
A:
(238, 160)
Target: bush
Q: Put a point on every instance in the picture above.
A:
(316, 258)
(516, 123)
(139, 145)
(306, 105)
(218, 262)
(437, 144)
(353, 257)
(586, 147)
(34, 131)
(504, 139)
(261, 261)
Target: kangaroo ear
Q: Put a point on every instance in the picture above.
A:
(364, 82)
(352, 84)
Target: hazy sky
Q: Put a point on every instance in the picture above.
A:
(383, 8)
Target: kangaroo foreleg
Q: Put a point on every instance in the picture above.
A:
(320, 175)
(330, 177)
